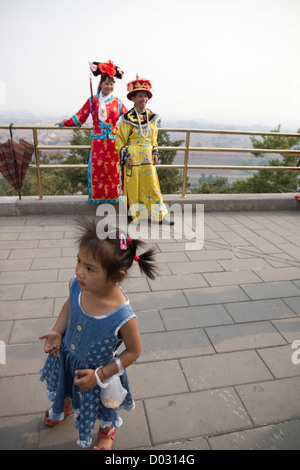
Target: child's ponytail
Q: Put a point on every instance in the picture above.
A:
(146, 262)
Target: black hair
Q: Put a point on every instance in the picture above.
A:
(108, 250)
(102, 80)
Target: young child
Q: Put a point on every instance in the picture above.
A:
(92, 324)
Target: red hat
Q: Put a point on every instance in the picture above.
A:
(140, 84)
(106, 68)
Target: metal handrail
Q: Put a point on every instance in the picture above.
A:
(186, 149)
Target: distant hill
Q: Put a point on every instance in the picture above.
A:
(24, 117)
(53, 137)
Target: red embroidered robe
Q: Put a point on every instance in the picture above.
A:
(104, 183)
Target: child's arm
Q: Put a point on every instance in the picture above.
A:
(85, 379)
(131, 337)
(54, 337)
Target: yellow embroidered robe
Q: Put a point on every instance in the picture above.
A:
(140, 183)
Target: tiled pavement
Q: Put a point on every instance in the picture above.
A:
(217, 328)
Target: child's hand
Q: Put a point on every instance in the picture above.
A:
(53, 342)
(85, 379)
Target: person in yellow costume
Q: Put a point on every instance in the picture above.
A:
(136, 143)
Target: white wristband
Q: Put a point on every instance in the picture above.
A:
(100, 384)
(119, 364)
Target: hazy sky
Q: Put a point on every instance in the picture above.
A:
(227, 61)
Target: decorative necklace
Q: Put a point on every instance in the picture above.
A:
(140, 124)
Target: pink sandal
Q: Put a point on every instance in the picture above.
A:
(52, 422)
(110, 435)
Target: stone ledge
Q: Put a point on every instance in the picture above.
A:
(78, 205)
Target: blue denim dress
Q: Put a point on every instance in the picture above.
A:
(88, 343)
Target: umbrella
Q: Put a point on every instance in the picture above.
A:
(14, 161)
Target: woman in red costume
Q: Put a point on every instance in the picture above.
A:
(104, 184)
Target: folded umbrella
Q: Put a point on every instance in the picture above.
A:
(14, 161)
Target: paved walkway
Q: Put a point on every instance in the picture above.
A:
(217, 327)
